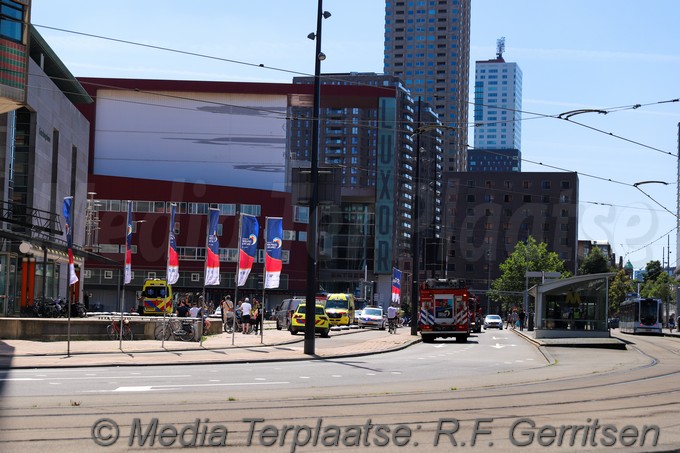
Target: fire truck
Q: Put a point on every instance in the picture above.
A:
(444, 310)
(476, 315)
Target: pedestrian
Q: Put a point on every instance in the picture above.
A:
(522, 316)
(255, 316)
(227, 308)
(246, 310)
(182, 309)
(194, 310)
(671, 323)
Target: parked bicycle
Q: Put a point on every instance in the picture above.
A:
(113, 330)
(181, 328)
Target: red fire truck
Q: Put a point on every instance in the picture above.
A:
(476, 315)
(444, 310)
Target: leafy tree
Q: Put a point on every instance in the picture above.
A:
(620, 286)
(509, 288)
(652, 271)
(594, 263)
(661, 288)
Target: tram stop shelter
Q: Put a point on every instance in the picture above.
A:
(574, 307)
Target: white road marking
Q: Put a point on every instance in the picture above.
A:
(147, 388)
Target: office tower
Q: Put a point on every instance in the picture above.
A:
(427, 45)
(498, 105)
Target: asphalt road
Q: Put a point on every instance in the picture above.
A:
(497, 392)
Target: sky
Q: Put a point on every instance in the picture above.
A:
(607, 55)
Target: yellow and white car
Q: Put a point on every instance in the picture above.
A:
(321, 323)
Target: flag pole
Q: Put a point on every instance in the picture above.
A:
(238, 265)
(69, 226)
(128, 231)
(205, 274)
(171, 231)
(264, 279)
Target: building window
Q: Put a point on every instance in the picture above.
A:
(108, 275)
(526, 198)
(301, 214)
(251, 209)
(471, 198)
(195, 277)
(11, 20)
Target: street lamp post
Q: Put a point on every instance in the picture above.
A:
(312, 242)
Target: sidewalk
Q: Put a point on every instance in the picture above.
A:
(274, 345)
(617, 340)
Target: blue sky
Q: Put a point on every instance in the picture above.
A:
(577, 54)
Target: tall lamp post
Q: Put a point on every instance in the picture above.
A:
(312, 243)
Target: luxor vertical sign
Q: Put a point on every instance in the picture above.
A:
(384, 203)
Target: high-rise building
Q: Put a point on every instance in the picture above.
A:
(498, 105)
(427, 45)
(375, 162)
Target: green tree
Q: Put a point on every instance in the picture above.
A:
(509, 288)
(620, 286)
(594, 263)
(661, 288)
(652, 271)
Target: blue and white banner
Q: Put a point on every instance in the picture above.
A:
(212, 252)
(68, 215)
(128, 246)
(396, 285)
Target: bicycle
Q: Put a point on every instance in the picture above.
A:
(182, 329)
(113, 330)
(163, 330)
(392, 325)
(231, 326)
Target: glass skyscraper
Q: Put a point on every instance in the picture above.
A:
(427, 45)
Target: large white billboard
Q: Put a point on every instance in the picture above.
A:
(227, 139)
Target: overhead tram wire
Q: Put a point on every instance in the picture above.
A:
(286, 117)
(538, 115)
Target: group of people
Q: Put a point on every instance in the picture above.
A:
(193, 310)
(249, 314)
(516, 320)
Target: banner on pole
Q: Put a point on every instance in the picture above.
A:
(247, 247)
(68, 215)
(212, 252)
(273, 248)
(173, 257)
(396, 285)
(128, 246)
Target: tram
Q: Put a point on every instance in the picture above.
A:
(641, 315)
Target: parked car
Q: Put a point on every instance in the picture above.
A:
(322, 324)
(613, 323)
(493, 321)
(284, 312)
(372, 317)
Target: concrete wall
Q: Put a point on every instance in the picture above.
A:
(37, 329)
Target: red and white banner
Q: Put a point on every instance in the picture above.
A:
(173, 258)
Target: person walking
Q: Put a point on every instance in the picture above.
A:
(227, 309)
(246, 310)
(522, 316)
(255, 316)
